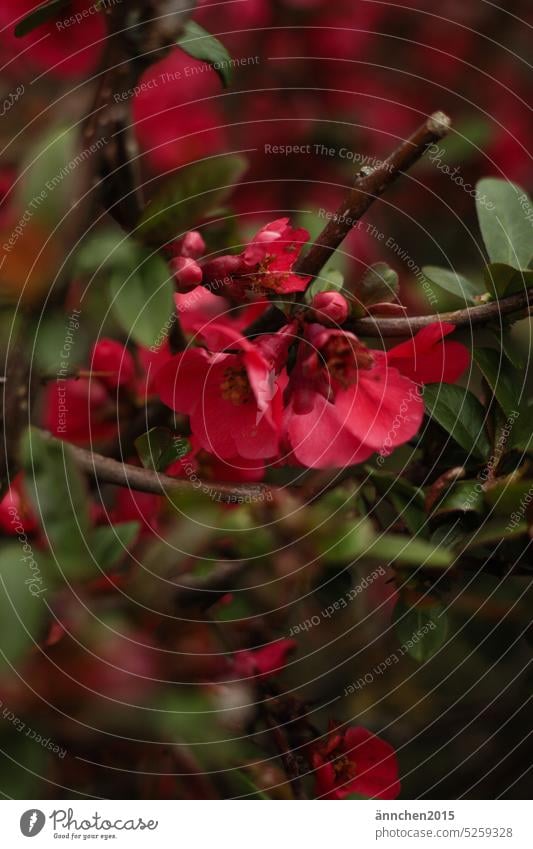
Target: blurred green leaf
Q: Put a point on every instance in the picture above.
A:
(43, 13)
(460, 413)
(244, 786)
(107, 250)
(379, 284)
(504, 380)
(465, 143)
(405, 551)
(422, 629)
(189, 197)
(347, 543)
(143, 300)
(407, 500)
(48, 175)
(452, 282)
(461, 497)
(23, 610)
(502, 280)
(109, 543)
(328, 281)
(159, 447)
(58, 492)
(200, 44)
(502, 211)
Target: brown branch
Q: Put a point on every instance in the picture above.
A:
(370, 184)
(482, 314)
(107, 470)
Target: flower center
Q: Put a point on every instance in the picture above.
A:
(345, 769)
(236, 387)
(344, 356)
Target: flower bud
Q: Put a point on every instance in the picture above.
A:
(190, 245)
(331, 308)
(187, 272)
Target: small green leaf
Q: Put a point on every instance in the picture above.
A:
(158, 448)
(502, 280)
(379, 284)
(407, 500)
(189, 197)
(58, 492)
(404, 551)
(142, 301)
(422, 629)
(504, 380)
(470, 136)
(502, 208)
(200, 44)
(244, 786)
(452, 282)
(108, 543)
(347, 543)
(460, 413)
(23, 609)
(461, 497)
(328, 281)
(40, 15)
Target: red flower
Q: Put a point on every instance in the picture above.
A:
(199, 463)
(113, 363)
(176, 118)
(345, 402)
(79, 411)
(265, 265)
(427, 359)
(66, 45)
(16, 512)
(355, 761)
(264, 662)
(233, 400)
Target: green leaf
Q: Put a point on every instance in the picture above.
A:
(49, 173)
(407, 500)
(328, 281)
(244, 786)
(504, 380)
(460, 413)
(422, 629)
(502, 280)
(347, 543)
(461, 497)
(108, 543)
(379, 284)
(40, 15)
(493, 533)
(452, 282)
(58, 493)
(23, 609)
(142, 301)
(188, 197)
(465, 143)
(106, 250)
(404, 551)
(502, 209)
(200, 44)
(158, 448)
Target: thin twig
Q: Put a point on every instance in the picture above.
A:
(107, 470)
(370, 183)
(406, 326)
